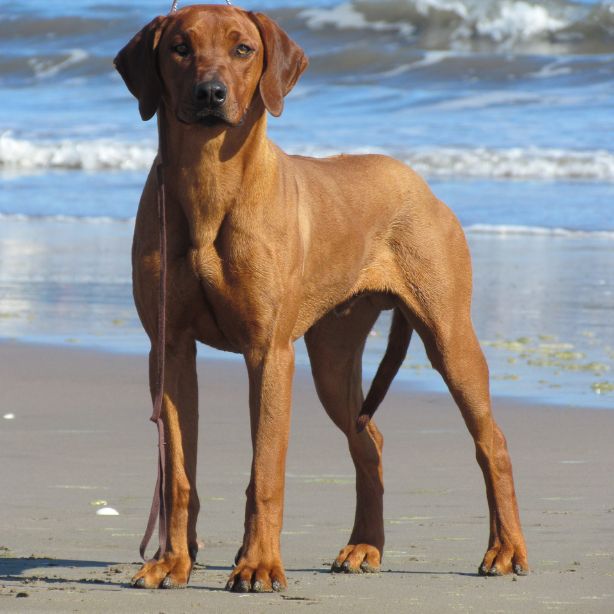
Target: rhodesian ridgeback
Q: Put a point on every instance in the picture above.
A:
(263, 248)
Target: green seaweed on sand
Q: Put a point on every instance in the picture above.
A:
(547, 338)
(602, 387)
(546, 351)
(517, 345)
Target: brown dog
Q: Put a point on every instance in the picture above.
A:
(264, 248)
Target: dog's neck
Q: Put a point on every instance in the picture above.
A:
(214, 162)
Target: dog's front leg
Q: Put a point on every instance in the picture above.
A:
(180, 417)
(259, 567)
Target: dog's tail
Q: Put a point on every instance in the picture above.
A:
(396, 350)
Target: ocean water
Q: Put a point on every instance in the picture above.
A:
(505, 106)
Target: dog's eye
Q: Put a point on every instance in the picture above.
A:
(243, 50)
(181, 50)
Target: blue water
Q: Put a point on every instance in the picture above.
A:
(504, 106)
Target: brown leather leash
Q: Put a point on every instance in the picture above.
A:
(158, 505)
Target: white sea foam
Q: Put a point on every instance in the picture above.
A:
(18, 155)
(511, 229)
(46, 68)
(346, 16)
(517, 21)
(66, 219)
(94, 155)
(515, 163)
(554, 69)
(431, 58)
(495, 98)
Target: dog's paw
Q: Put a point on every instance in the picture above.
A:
(503, 560)
(257, 578)
(171, 571)
(357, 558)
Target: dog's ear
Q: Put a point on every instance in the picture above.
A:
(137, 65)
(284, 62)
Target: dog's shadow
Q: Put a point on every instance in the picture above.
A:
(16, 569)
(59, 572)
(114, 575)
(325, 570)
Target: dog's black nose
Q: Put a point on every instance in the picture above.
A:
(211, 94)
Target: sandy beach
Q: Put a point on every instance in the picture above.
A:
(80, 437)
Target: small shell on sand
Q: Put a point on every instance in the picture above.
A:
(107, 511)
(8, 416)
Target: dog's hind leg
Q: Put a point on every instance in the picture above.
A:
(457, 355)
(437, 299)
(180, 417)
(335, 345)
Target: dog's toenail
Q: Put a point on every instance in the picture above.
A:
(257, 586)
(167, 582)
(277, 586)
(243, 586)
(368, 568)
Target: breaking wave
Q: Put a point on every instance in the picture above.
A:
(83, 46)
(462, 23)
(511, 229)
(94, 155)
(515, 163)
(19, 155)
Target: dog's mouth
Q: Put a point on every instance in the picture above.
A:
(203, 117)
(209, 117)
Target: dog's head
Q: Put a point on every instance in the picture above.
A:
(208, 63)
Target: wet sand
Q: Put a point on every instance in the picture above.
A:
(80, 436)
(542, 305)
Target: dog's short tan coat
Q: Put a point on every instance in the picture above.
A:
(263, 248)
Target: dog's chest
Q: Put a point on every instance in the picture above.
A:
(239, 273)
